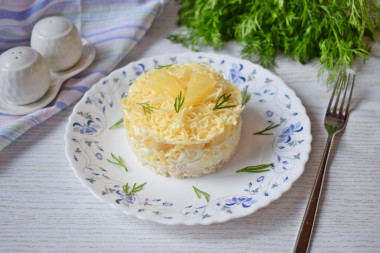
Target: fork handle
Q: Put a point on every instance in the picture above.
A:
(306, 229)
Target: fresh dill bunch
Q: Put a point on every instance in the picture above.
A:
(207, 22)
(333, 32)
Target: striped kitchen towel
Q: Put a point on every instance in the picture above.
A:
(112, 26)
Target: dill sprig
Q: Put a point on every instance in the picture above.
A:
(118, 161)
(128, 191)
(265, 130)
(148, 109)
(221, 100)
(116, 124)
(333, 32)
(245, 96)
(199, 194)
(164, 66)
(178, 102)
(256, 169)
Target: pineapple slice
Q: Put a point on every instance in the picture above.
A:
(199, 86)
(161, 81)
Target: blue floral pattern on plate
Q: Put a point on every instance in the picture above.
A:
(90, 142)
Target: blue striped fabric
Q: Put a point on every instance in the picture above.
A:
(113, 26)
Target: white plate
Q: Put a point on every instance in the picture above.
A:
(89, 143)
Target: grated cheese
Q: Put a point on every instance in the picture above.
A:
(193, 124)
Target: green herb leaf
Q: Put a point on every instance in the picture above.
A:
(148, 109)
(128, 191)
(256, 169)
(164, 66)
(221, 100)
(199, 194)
(178, 102)
(116, 124)
(245, 96)
(118, 161)
(265, 131)
(333, 32)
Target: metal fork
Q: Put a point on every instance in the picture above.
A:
(335, 122)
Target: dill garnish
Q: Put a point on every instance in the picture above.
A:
(245, 96)
(178, 102)
(265, 131)
(221, 100)
(118, 161)
(164, 66)
(256, 169)
(134, 189)
(116, 124)
(199, 193)
(147, 107)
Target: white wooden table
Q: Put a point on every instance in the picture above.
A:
(44, 207)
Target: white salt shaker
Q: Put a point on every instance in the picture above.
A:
(57, 39)
(24, 75)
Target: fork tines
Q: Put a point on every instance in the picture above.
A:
(343, 82)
